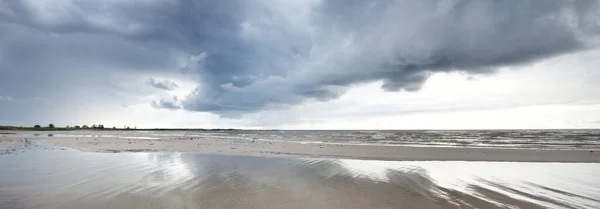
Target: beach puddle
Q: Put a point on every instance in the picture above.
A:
(41, 176)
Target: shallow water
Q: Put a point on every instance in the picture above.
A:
(44, 176)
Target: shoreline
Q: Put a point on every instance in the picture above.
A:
(205, 145)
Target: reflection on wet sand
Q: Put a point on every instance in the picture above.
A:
(40, 178)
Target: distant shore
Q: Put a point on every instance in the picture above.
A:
(20, 128)
(208, 145)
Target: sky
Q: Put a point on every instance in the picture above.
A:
(301, 64)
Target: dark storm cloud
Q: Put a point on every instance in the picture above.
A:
(399, 42)
(164, 85)
(420, 37)
(247, 56)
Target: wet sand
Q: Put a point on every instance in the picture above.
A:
(205, 145)
(42, 175)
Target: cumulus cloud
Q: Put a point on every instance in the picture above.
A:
(164, 85)
(248, 56)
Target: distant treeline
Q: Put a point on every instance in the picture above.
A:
(22, 128)
(94, 126)
(52, 127)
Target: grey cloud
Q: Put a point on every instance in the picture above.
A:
(164, 85)
(69, 71)
(248, 56)
(6, 98)
(165, 104)
(403, 42)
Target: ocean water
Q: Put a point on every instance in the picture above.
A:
(550, 139)
(39, 175)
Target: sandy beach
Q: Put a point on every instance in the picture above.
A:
(206, 145)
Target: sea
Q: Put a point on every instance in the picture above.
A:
(539, 139)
